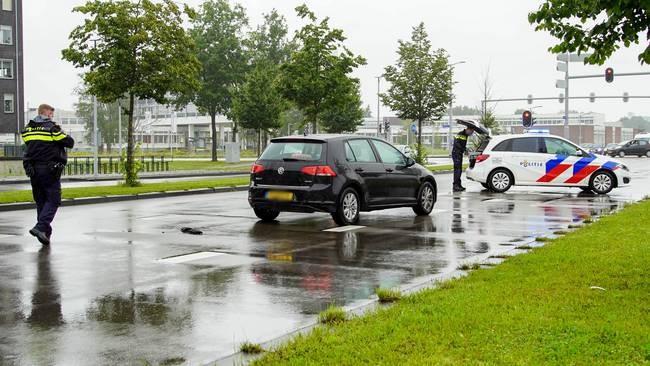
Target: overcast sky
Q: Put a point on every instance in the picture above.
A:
(493, 34)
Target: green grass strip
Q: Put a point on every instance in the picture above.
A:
(438, 168)
(26, 195)
(533, 309)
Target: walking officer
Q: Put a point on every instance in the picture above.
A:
(460, 146)
(44, 160)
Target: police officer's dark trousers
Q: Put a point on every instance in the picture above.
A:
(46, 189)
(458, 167)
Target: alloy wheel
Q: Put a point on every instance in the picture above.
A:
(602, 182)
(427, 198)
(350, 206)
(500, 180)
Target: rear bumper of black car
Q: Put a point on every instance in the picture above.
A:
(318, 197)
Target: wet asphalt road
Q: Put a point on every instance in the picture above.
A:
(121, 284)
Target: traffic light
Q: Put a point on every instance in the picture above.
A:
(527, 119)
(386, 125)
(609, 74)
(561, 98)
(626, 97)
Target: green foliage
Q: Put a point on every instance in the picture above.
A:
(638, 122)
(316, 77)
(332, 315)
(464, 110)
(251, 348)
(291, 119)
(489, 121)
(269, 42)
(420, 81)
(367, 112)
(140, 50)
(258, 104)
(218, 31)
(344, 114)
(386, 295)
(107, 119)
(597, 26)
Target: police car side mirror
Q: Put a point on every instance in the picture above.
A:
(578, 152)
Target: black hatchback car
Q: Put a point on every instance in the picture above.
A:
(339, 174)
(638, 147)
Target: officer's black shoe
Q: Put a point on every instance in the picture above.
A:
(462, 188)
(458, 189)
(41, 236)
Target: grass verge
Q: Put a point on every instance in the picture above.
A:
(332, 315)
(387, 295)
(26, 195)
(442, 168)
(251, 348)
(533, 309)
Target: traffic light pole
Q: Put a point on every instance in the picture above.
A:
(566, 97)
(601, 75)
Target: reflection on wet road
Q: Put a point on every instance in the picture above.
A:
(122, 285)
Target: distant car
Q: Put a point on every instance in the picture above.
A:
(339, 174)
(543, 160)
(639, 147)
(597, 149)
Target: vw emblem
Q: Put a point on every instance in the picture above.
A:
(281, 170)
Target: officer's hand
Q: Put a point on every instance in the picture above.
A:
(56, 129)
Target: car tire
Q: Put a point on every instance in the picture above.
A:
(601, 182)
(586, 189)
(486, 186)
(647, 154)
(621, 154)
(266, 214)
(500, 180)
(426, 199)
(347, 208)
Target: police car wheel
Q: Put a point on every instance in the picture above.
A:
(621, 154)
(265, 214)
(426, 200)
(586, 189)
(601, 182)
(500, 180)
(348, 207)
(486, 186)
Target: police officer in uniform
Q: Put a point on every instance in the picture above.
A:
(44, 160)
(460, 146)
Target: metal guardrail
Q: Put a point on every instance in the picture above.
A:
(112, 165)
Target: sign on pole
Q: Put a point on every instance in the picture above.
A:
(414, 128)
(561, 66)
(560, 84)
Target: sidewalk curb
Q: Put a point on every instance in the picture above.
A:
(133, 197)
(109, 199)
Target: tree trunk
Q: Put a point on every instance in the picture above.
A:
(213, 125)
(131, 177)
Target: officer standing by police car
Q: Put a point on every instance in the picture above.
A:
(44, 160)
(460, 146)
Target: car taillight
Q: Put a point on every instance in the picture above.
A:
(482, 157)
(319, 171)
(257, 168)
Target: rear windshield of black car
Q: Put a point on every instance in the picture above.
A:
(293, 151)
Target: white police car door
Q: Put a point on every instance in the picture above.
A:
(566, 164)
(527, 160)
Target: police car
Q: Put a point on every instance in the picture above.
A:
(540, 159)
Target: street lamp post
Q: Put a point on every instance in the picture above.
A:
(451, 117)
(378, 104)
(95, 159)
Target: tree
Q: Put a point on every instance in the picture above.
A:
(218, 31)
(343, 114)
(463, 110)
(107, 118)
(258, 104)
(367, 112)
(269, 42)
(291, 120)
(319, 69)
(487, 118)
(596, 26)
(140, 51)
(638, 122)
(420, 81)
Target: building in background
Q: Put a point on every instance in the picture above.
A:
(11, 69)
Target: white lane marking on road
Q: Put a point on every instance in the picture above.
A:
(190, 257)
(341, 229)
(4, 236)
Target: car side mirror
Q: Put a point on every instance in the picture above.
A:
(578, 152)
(410, 162)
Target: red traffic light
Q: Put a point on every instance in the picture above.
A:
(609, 74)
(527, 118)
